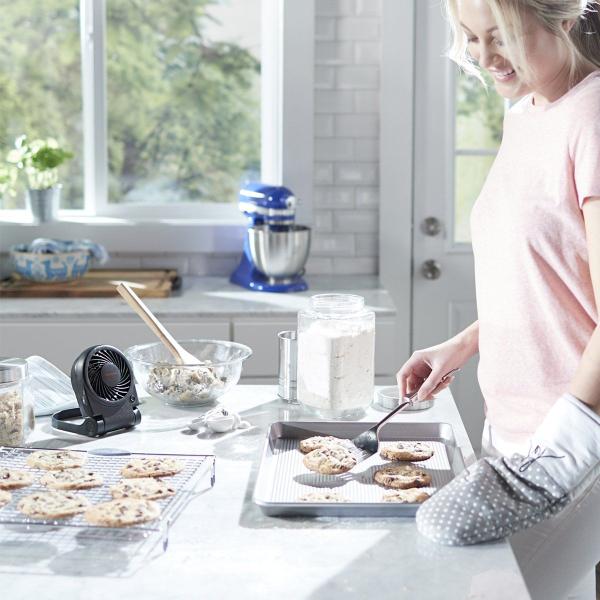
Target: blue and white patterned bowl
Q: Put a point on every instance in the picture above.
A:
(51, 267)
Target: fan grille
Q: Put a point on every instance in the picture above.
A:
(100, 373)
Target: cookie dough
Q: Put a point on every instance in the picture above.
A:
(413, 451)
(184, 384)
(402, 477)
(151, 467)
(323, 441)
(410, 496)
(324, 496)
(52, 505)
(56, 460)
(71, 479)
(331, 460)
(122, 512)
(11, 479)
(5, 498)
(145, 487)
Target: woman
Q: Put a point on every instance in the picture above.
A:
(536, 245)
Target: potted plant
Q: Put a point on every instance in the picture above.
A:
(39, 160)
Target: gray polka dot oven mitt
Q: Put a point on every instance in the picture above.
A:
(491, 500)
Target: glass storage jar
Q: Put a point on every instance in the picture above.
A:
(336, 355)
(16, 409)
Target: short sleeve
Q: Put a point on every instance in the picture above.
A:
(586, 146)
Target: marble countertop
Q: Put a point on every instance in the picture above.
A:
(222, 547)
(201, 297)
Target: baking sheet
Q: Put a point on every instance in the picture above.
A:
(283, 478)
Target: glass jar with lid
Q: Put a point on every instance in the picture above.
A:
(16, 410)
(336, 355)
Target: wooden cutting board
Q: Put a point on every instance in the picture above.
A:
(96, 283)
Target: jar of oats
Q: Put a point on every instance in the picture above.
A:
(16, 410)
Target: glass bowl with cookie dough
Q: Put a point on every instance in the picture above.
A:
(218, 369)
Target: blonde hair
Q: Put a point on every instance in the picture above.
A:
(582, 41)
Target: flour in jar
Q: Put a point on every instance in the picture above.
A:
(336, 365)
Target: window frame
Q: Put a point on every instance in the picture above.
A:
(287, 63)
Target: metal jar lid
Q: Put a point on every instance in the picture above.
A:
(388, 398)
(12, 370)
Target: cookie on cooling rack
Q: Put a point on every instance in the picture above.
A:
(12, 479)
(323, 441)
(402, 477)
(413, 451)
(5, 498)
(144, 487)
(71, 479)
(331, 460)
(122, 512)
(151, 467)
(324, 496)
(409, 496)
(52, 505)
(56, 460)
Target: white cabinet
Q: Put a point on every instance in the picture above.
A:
(61, 342)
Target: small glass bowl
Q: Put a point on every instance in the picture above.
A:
(218, 370)
(389, 397)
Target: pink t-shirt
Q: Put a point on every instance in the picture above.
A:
(535, 300)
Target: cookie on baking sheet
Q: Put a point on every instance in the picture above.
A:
(5, 498)
(331, 460)
(56, 460)
(324, 496)
(323, 441)
(11, 479)
(122, 512)
(71, 479)
(52, 505)
(402, 477)
(413, 451)
(144, 487)
(410, 496)
(151, 467)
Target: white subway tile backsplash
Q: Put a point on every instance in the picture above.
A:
(356, 221)
(362, 77)
(325, 29)
(363, 28)
(324, 77)
(334, 149)
(367, 53)
(366, 101)
(332, 53)
(123, 261)
(358, 265)
(334, 101)
(356, 173)
(332, 244)
(335, 8)
(368, 8)
(165, 261)
(366, 149)
(367, 244)
(358, 126)
(334, 197)
(323, 126)
(319, 265)
(367, 197)
(323, 221)
(323, 173)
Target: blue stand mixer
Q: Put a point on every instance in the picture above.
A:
(275, 248)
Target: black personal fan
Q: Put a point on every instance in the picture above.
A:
(104, 386)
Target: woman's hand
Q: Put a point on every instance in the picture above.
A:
(424, 370)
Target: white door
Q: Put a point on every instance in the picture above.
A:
(457, 132)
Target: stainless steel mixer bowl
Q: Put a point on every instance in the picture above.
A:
(280, 252)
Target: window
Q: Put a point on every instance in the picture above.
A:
(167, 111)
(479, 113)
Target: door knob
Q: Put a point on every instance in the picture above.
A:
(431, 269)
(431, 226)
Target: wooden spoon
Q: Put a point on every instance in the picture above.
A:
(181, 355)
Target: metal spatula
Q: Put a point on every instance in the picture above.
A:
(368, 441)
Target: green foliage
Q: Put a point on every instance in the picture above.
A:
(39, 159)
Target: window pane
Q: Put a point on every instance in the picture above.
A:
(40, 85)
(183, 99)
(479, 114)
(469, 174)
